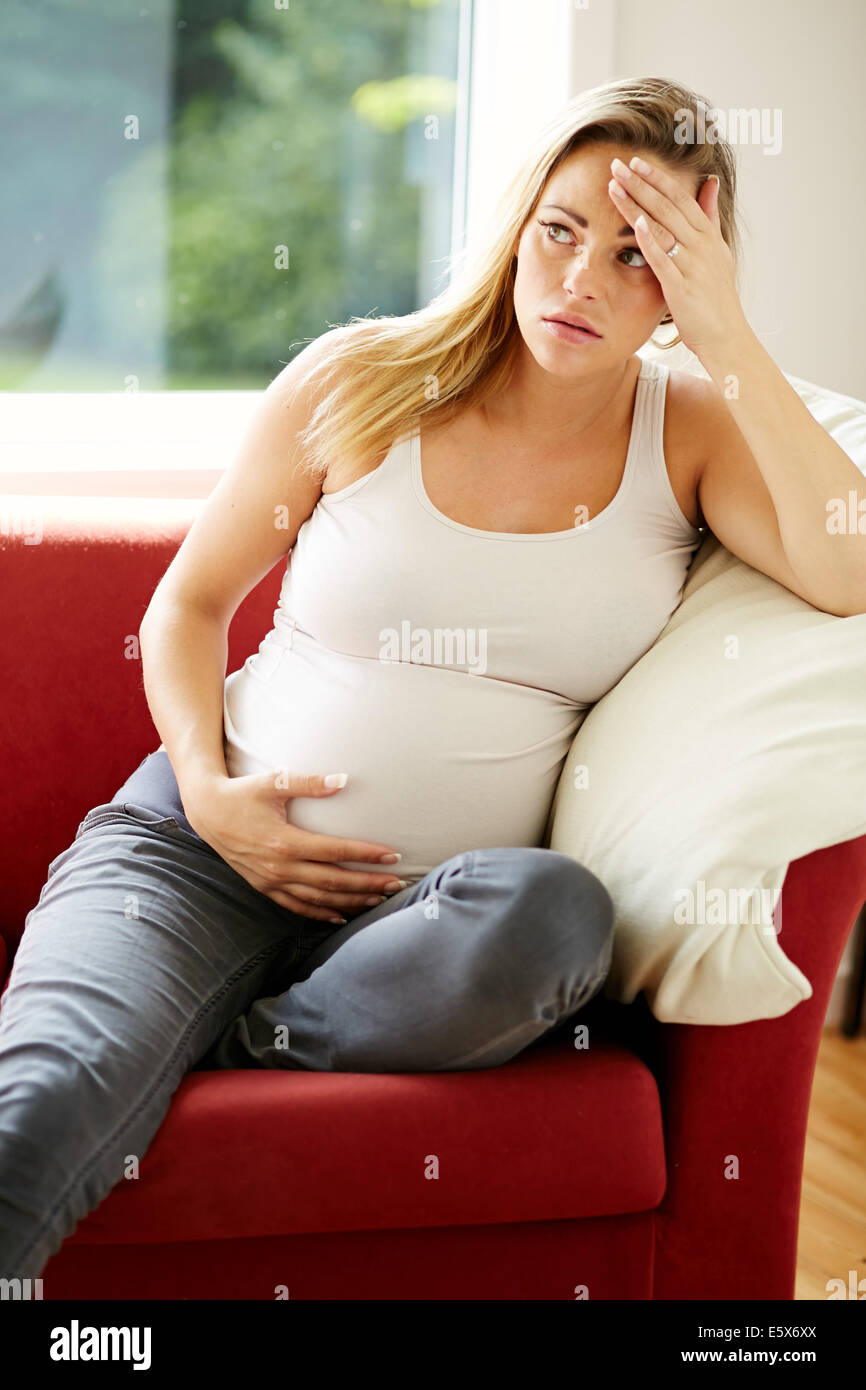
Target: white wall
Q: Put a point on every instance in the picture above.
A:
(804, 287)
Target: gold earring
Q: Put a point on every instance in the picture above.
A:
(669, 318)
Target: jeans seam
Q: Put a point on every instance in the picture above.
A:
(470, 862)
(83, 1173)
(168, 823)
(152, 824)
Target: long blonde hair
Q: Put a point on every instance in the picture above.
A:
(390, 371)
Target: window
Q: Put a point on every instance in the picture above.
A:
(193, 189)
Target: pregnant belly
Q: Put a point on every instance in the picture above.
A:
(438, 761)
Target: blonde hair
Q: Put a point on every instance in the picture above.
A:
(387, 373)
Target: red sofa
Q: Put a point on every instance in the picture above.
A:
(564, 1169)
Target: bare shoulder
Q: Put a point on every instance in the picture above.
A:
(691, 401)
(303, 379)
(302, 371)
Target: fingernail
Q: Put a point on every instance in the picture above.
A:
(341, 921)
(390, 858)
(395, 884)
(336, 779)
(373, 902)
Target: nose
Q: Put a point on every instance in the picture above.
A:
(582, 276)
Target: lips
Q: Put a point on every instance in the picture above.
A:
(573, 322)
(569, 332)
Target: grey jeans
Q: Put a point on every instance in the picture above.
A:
(147, 956)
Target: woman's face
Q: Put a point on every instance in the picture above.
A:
(593, 271)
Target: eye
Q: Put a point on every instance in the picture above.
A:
(641, 263)
(557, 225)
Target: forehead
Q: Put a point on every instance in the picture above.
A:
(591, 164)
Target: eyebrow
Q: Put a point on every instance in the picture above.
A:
(582, 222)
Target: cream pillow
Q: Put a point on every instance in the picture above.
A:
(735, 745)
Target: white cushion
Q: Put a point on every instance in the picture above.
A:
(735, 745)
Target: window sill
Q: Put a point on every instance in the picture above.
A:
(120, 444)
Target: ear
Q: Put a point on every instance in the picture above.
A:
(708, 198)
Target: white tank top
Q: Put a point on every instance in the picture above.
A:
(447, 669)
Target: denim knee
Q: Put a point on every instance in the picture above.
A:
(586, 900)
(562, 897)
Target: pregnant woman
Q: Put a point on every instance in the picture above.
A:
(334, 860)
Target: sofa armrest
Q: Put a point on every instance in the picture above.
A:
(735, 1102)
(77, 719)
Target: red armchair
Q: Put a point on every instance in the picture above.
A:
(566, 1169)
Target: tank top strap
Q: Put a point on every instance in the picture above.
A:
(394, 470)
(653, 383)
(655, 489)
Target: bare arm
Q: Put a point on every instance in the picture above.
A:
(184, 652)
(231, 545)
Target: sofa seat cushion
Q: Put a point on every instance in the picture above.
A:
(558, 1133)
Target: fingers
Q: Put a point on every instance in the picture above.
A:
(331, 849)
(323, 907)
(328, 887)
(323, 886)
(661, 188)
(657, 258)
(304, 783)
(315, 882)
(358, 902)
(668, 209)
(368, 897)
(322, 880)
(304, 909)
(631, 213)
(631, 210)
(324, 877)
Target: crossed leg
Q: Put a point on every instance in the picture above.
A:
(462, 969)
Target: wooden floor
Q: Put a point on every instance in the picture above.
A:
(832, 1238)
